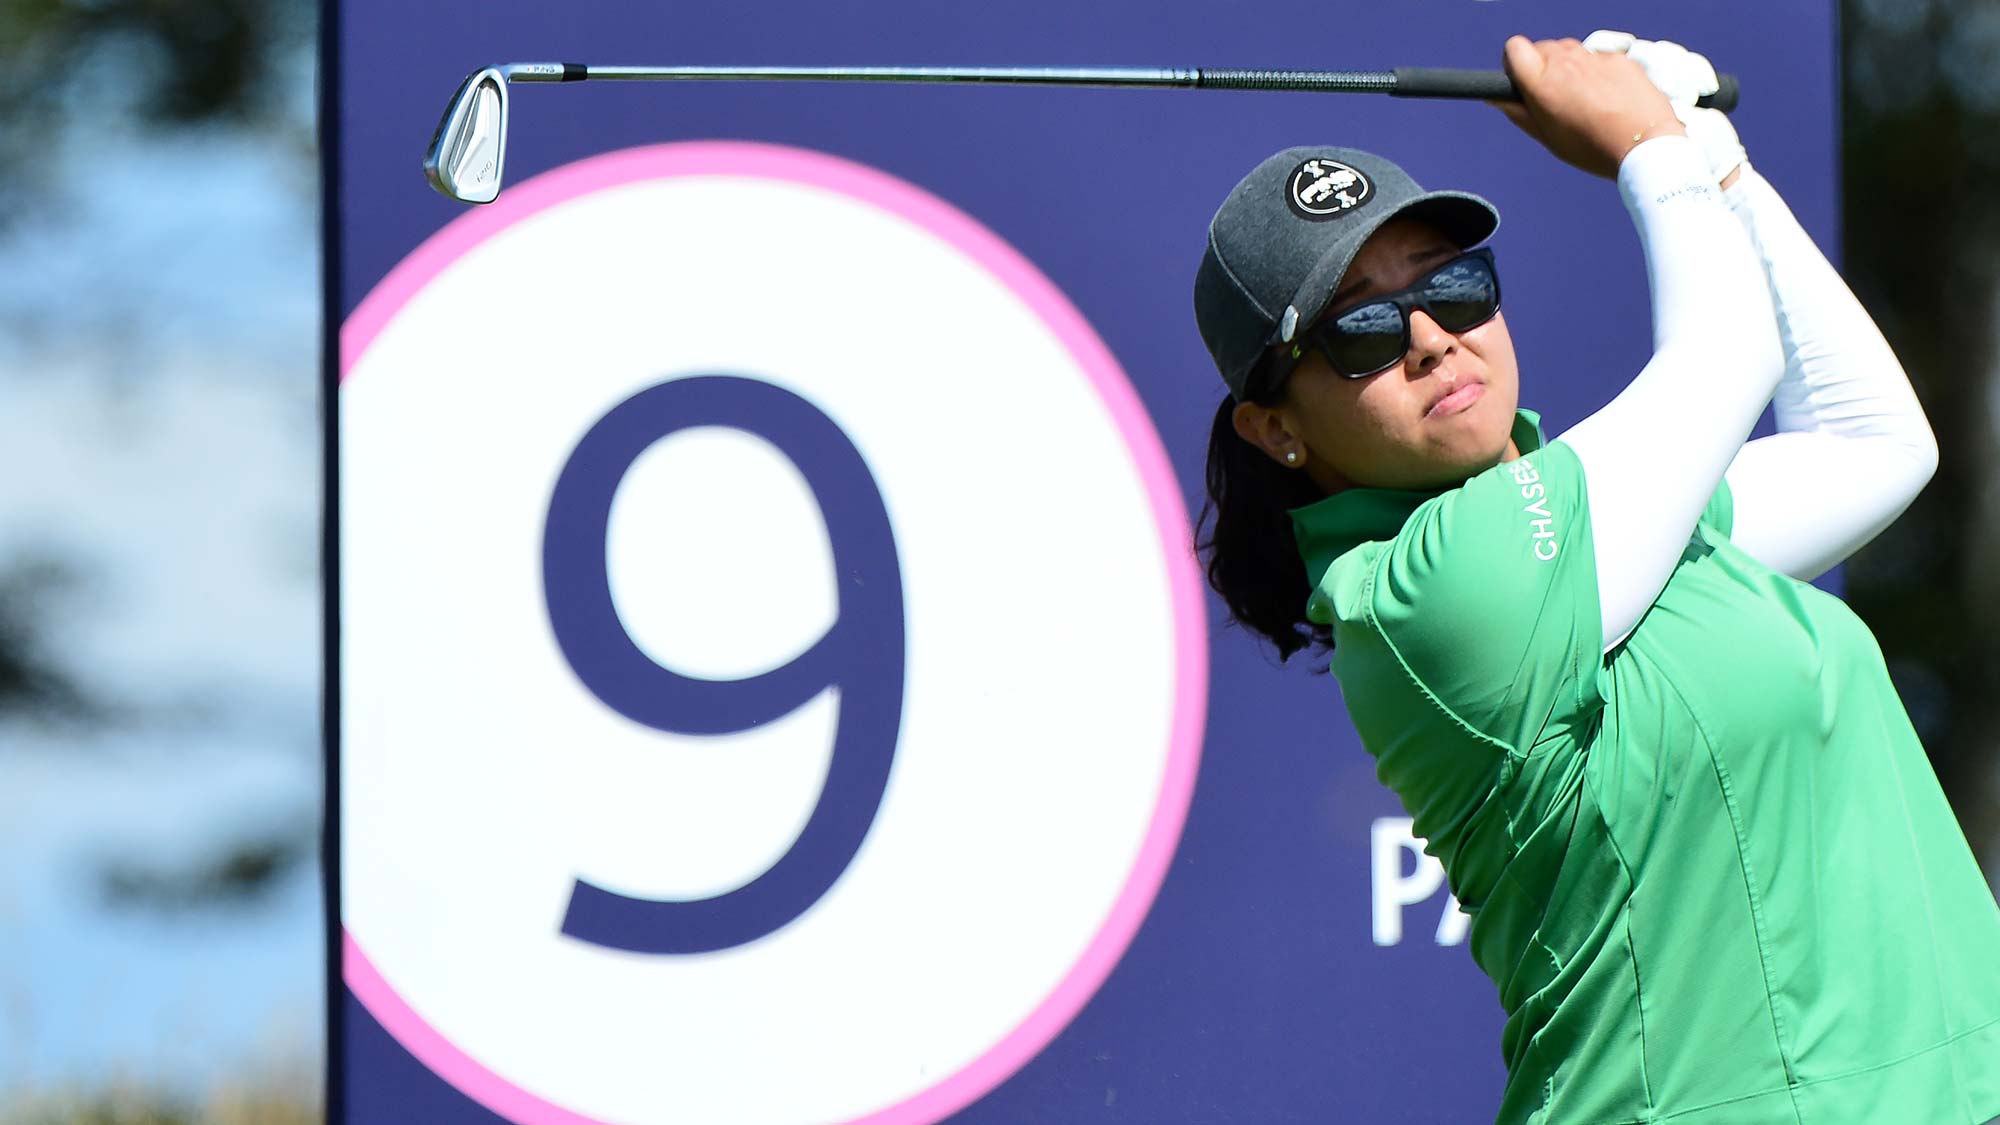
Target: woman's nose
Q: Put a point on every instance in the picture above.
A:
(1429, 343)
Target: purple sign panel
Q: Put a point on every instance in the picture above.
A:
(769, 678)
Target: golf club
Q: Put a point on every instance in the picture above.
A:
(468, 152)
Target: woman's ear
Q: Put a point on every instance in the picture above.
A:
(1265, 427)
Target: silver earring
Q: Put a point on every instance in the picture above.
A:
(1291, 457)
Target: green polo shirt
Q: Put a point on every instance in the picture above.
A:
(1711, 872)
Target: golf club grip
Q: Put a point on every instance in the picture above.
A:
(1495, 86)
(1329, 81)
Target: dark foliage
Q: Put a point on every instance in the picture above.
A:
(1921, 229)
(238, 875)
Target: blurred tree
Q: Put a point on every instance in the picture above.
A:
(238, 875)
(1922, 231)
(31, 684)
(175, 61)
(70, 65)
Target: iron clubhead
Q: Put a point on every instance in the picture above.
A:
(468, 152)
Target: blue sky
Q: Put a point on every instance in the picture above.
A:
(159, 345)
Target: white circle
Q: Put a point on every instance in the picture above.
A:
(480, 778)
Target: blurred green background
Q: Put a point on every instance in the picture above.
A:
(160, 935)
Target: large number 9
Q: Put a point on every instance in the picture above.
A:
(861, 654)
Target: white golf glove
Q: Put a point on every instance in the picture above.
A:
(1683, 76)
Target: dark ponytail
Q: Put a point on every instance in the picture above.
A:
(1246, 532)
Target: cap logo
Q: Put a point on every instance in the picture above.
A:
(1321, 189)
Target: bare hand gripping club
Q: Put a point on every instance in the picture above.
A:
(468, 153)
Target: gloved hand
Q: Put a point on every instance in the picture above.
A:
(1683, 76)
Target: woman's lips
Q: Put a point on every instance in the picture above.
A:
(1458, 400)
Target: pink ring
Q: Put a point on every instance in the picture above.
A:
(960, 230)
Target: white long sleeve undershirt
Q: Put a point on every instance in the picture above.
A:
(1853, 447)
(1745, 308)
(1654, 454)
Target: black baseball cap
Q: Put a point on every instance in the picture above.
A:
(1280, 242)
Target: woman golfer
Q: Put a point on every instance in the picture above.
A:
(1708, 865)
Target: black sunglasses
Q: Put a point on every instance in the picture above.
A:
(1370, 338)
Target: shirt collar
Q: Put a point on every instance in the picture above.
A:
(1327, 529)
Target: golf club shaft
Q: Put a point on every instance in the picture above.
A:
(1404, 82)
